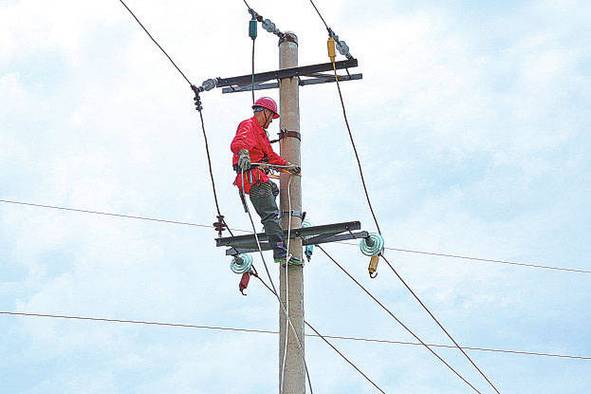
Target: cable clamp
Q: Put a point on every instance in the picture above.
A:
(294, 213)
(284, 133)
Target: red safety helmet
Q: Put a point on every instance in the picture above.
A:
(267, 103)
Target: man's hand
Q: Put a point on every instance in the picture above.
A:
(294, 169)
(243, 160)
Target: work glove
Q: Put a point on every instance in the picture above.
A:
(243, 160)
(294, 169)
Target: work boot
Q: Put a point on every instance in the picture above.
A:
(279, 251)
(280, 255)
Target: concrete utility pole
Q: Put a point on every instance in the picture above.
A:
(295, 374)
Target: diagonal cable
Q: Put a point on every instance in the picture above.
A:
(397, 319)
(320, 15)
(155, 42)
(439, 324)
(360, 168)
(324, 338)
(378, 227)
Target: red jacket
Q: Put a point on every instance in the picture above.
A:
(252, 137)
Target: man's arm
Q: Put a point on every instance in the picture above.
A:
(244, 139)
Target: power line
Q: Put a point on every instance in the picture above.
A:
(168, 221)
(397, 319)
(331, 53)
(472, 348)
(355, 148)
(156, 42)
(440, 325)
(272, 332)
(485, 260)
(117, 215)
(320, 15)
(324, 338)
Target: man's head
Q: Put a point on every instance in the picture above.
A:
(265, 110)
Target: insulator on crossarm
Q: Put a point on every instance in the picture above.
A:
(209, 84)
(372, 246)
(241, 263)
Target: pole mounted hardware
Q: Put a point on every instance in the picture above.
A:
(312, 235)
(307, 75)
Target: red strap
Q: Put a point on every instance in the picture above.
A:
(244, 282)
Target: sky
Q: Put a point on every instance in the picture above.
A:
(472, 124)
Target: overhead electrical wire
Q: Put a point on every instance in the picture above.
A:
(168, 221)
(156, 42)
(219, 215)
(272, 332)
(389, 312)
(360, 168)
(102, 213)
(320, 15)
(324, 338)
(332, 56)
(440, 325)
(199, 108)
(485, 260)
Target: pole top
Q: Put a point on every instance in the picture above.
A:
(289, 37)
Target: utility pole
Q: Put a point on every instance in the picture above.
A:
(294, 375)
(290, 77)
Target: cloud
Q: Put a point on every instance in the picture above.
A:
(471, 128)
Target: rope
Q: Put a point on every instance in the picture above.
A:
(274, 289)
(283, 362)
(439, 324)
(261, 331)
(156, 42)
(398, 320)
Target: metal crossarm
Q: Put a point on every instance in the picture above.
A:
(313, 76)
(310, 236)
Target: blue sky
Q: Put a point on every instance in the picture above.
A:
(472, 123)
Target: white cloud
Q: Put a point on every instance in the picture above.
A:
(461, 135)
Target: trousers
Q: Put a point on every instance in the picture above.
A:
(263, 197)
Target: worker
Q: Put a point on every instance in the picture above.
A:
(251, 145)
